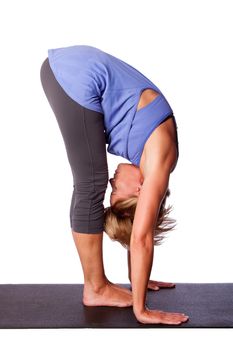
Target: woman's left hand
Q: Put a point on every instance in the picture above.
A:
(156, 285)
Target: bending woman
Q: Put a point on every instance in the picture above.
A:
(99, 99)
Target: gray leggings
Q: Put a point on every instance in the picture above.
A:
(83, 134)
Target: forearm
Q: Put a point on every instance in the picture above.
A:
(141, 257)
(129, 264)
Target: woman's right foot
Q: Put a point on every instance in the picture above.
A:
(109, 295)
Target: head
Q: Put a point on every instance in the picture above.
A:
(118, 218)
(126, 183)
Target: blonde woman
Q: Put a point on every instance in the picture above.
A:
(99, 99)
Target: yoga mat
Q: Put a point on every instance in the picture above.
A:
(208, 305)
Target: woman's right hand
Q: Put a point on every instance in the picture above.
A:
(158, 316)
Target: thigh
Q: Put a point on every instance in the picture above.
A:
(70, 119)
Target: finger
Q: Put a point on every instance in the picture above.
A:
(153, 287)
(164, 284)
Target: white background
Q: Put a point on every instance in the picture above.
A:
(185, 48)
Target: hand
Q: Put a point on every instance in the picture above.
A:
(159, 316)
(156, 285)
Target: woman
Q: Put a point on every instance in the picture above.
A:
(97, 99)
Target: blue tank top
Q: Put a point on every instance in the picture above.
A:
(106, 84)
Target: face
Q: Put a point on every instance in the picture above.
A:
(127, 182)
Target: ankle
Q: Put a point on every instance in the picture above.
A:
(95, 286)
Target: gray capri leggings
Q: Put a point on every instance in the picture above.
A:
(83, 133)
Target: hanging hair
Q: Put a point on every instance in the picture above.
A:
(118, 221)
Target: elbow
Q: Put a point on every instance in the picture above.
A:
(142, 240)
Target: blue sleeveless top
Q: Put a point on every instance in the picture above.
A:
(106, 84)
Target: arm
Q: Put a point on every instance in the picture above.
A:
(141, 243)
(152, 285)
(129, 265)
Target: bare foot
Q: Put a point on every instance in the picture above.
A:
(126, 290)
(157, 316)
(110, 295)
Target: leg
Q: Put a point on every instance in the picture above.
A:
(83, 135)
(98, 290)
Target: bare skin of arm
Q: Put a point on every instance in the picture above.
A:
(152, 285)
(156, 178)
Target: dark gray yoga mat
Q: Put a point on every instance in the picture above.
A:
(60, 306)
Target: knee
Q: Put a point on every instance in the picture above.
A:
(101, 180)
(87, 208)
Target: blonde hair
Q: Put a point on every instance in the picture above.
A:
(118, 221)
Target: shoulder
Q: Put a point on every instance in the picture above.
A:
(160, 150)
